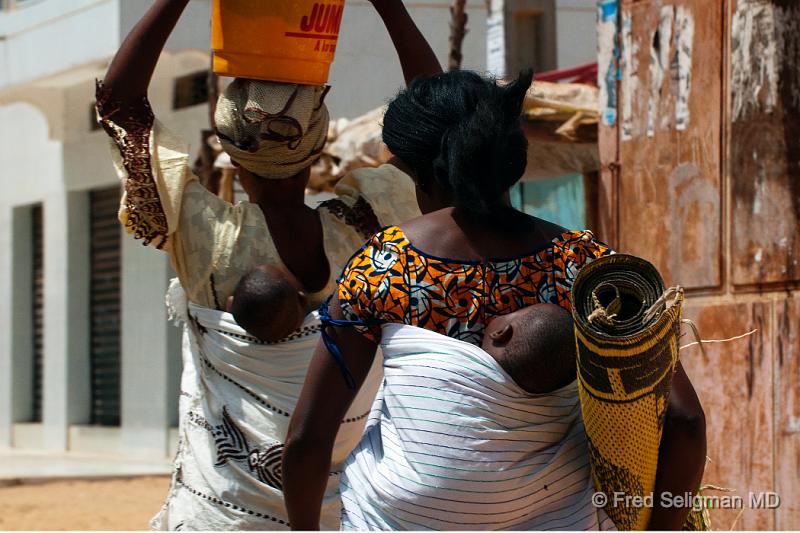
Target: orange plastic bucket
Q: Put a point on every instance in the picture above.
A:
(290, 41)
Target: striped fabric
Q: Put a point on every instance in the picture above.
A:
(453, 443)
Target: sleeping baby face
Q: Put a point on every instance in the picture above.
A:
(535, 345)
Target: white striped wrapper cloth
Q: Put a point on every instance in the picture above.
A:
(452, 442)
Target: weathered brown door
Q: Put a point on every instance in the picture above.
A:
(700, 148)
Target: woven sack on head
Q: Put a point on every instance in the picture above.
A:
(274, 130)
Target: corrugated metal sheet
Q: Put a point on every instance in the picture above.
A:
(105, 307)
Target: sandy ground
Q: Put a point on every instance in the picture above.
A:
(113, 504)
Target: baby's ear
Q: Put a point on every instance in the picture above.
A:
(502, 336)
(229, 303)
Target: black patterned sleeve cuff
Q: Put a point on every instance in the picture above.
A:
(130, 126)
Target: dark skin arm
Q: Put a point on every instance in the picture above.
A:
(130, 72)
(682, 454)
(312, 431)
(281, 201)
(416, 56)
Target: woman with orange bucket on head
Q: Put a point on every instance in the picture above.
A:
(237, 394)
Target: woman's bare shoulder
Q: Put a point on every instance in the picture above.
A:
(547, 230)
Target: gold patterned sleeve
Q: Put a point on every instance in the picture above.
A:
(153, 168)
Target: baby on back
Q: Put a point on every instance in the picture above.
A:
(535, 345)
(268, 303)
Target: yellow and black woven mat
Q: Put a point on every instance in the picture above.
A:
(627, 328)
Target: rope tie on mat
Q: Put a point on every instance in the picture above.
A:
(607, 314)
(603, 314)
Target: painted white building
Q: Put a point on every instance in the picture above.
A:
(88, 360)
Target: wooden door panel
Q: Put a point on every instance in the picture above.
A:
(765, 142)
(735, 386)
(787, 417)
(670, 208)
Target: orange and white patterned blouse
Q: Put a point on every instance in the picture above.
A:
(391, 281)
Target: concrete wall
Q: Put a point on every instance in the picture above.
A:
(38, 156)
(16, 347)
(366, 72)
(51, 155)
(56, 35)
(192, 32)
(576, 32)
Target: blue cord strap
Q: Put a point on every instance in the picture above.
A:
(330, 344)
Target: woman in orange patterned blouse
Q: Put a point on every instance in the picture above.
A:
(471, 257)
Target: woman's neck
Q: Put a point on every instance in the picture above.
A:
(456, 234)
(499, 218)
(280, 201)
(279, 195)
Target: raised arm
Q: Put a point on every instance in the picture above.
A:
(416, 56)
(130, 72)
(148, 211)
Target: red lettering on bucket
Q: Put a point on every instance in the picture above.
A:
(322, 23)
(322, 20)
(308, 21)
(325, 47)
(335, 19)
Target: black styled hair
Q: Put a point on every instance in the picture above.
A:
(462, 132)
(265, 305)
(541, 353)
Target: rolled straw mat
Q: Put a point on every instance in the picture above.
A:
(627, 328)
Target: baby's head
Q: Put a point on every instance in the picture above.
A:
(535, 345)
(268, 303)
